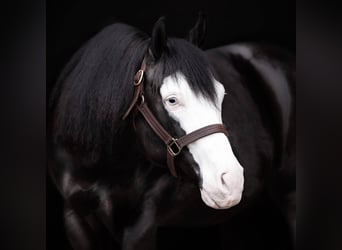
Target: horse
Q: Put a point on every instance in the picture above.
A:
(150, 131)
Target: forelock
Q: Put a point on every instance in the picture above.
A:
(181, 56)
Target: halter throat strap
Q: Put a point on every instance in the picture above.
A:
(173, 145)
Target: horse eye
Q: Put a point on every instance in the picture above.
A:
(171, 100)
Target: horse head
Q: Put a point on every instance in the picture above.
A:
(183, 95)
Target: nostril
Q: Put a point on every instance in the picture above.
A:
(223, 182)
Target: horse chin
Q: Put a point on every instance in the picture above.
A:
(220, 203)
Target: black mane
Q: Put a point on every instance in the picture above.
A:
(94, 89)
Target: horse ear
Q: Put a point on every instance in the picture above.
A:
(197, 33)
(158, 39)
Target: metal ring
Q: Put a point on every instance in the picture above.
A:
(141, 76)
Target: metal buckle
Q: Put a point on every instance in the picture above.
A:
(142, 100)
(173, 148)
(138, 77)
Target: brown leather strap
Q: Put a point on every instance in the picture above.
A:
(171, 164)
(138, 88)
(173, 146)
(189, 138)
(154, 124)
(199, 133)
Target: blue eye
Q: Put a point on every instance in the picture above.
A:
(171, 100)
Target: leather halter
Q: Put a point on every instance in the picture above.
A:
(174, 146)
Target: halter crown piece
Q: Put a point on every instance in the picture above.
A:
(173, 145)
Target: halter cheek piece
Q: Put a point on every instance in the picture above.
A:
(174, 146)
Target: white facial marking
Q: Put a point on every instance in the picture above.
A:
(221, 172)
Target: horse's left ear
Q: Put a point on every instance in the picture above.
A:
(197, 33)
(158, 39)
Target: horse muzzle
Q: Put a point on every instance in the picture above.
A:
(226, 191)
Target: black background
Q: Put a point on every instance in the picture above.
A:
(71, 23)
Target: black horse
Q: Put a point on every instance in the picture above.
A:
(122, 181)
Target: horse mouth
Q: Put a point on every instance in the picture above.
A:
(220, 200)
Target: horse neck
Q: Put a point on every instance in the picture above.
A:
(125, 146)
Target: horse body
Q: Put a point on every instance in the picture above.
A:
(124, 196)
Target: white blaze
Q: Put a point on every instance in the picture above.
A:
(221, 172)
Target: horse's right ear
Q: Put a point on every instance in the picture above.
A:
(197, 33)
(158, 39)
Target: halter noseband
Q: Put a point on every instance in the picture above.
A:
(174, 146)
